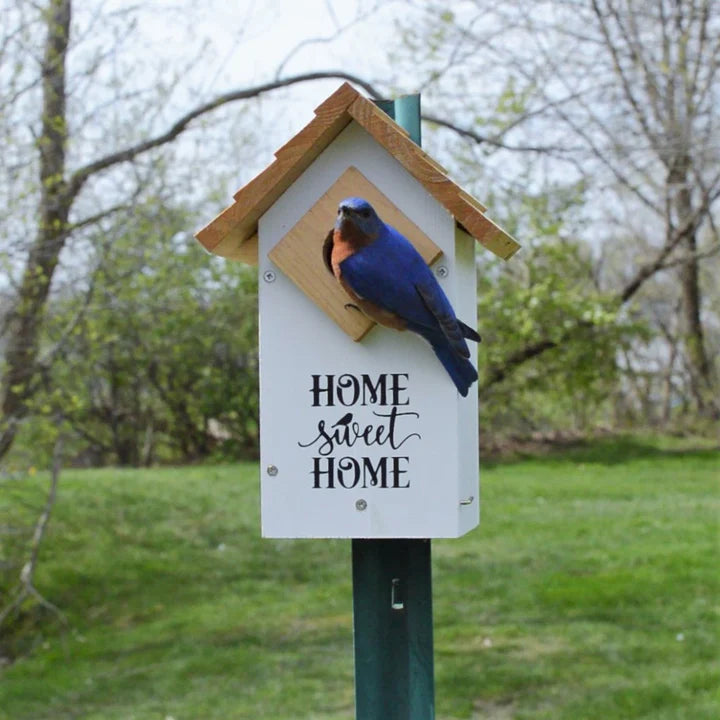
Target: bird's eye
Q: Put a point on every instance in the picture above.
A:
(365, 213)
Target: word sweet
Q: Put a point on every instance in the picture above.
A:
(381, 429)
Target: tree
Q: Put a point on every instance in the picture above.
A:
(547, 293)
(621, 96)
(670, 87)
(70, 168)
(163, 364)
(96, 252)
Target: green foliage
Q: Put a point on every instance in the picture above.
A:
(587, 592)
(163, 362)
(547, 294)
(511, 103)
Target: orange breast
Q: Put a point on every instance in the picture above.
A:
(342, 249)
(346, 242)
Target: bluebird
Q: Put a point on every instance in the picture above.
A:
(387, 279)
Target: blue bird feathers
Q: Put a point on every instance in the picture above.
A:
(388, 280)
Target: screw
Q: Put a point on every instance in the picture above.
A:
(272, 471)
(441, 271)
(269, 276)
(360, 505)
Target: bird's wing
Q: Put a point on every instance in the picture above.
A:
(437, 303)
(383, 273)
(379, 282)
(393, 275)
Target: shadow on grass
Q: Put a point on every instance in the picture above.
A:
(605, 451)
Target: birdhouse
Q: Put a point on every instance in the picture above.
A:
(362, 432)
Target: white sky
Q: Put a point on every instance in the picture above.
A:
(245, 42)
(248, 40)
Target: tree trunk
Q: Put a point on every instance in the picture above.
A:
(54, 208)
(58, 190)
(700, 371)
(694, 335)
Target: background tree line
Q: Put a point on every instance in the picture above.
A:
(593, 138)
(590, 127)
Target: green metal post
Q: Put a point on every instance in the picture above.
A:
(392, 592)
(407, 115)
(392, 599)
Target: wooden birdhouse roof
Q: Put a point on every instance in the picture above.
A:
(233, 233)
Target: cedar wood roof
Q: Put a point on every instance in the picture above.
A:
(233, 233)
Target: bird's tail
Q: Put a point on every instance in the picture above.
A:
(460, 369)
(468, 332)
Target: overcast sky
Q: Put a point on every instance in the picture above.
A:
(246, 42)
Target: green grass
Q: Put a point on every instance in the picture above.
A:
(590, 591)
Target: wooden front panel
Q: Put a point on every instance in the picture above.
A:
(299, 253)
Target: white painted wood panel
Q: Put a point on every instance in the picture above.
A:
(428, 444)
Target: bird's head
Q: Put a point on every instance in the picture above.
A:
(357, 215)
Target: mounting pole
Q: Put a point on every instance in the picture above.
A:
(392, 591)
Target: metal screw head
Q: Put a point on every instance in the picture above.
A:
(269, 276)
(360, 505)
(272, 471)
(441, 271)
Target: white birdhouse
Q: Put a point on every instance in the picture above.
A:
(362, 432)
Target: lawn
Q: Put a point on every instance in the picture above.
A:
(590, 591)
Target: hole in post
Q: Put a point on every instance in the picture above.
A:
(396, 601)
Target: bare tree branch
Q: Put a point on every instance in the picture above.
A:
(59, 191)
(625, 82)
(502, 370)
(79, 177)
(97, 217)
(675, 237)
(489, 140)
(686, 258)
(339, 31)
(26, 587)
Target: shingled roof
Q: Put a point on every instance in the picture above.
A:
(233, 233)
